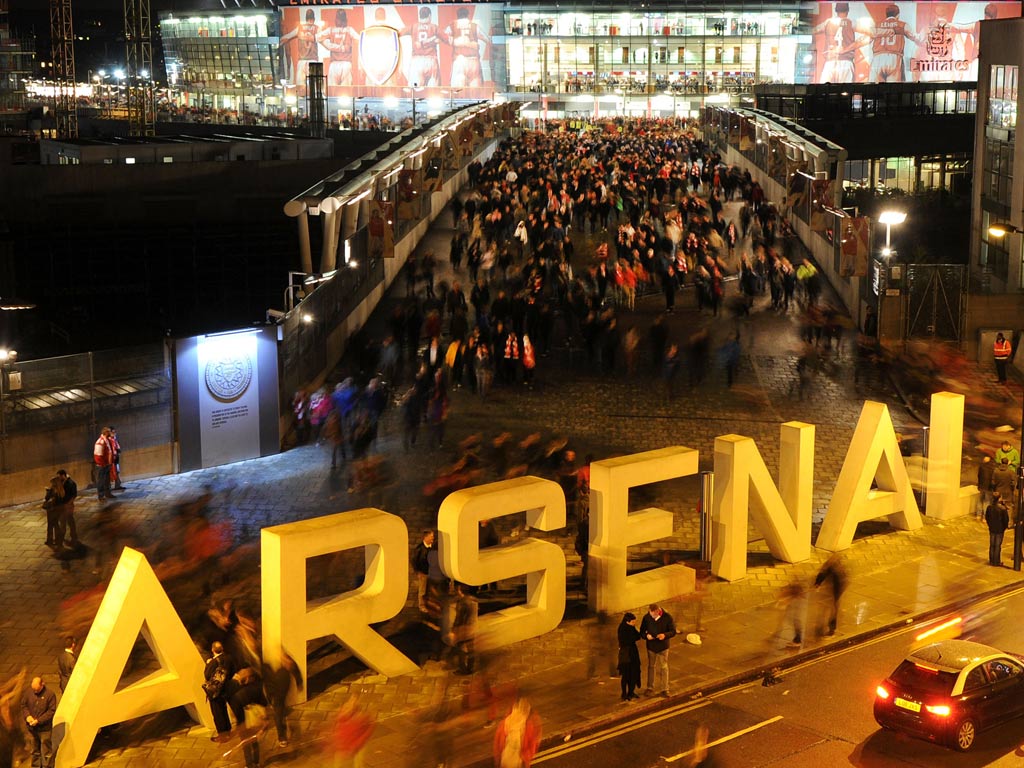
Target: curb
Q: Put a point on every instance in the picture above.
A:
(747, 676)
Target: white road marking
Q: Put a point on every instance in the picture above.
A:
(597, 738)
(724, 739)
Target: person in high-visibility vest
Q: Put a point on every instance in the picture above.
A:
(1001, 351)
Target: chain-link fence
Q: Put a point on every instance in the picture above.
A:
(53, 408)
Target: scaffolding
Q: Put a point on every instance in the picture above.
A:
(17, 56)
(138, 40)
(62, 41)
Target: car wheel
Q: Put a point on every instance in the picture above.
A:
(965, 735)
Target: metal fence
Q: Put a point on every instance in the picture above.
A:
(304, 332)
(53, 417)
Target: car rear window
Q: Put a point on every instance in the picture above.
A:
(923, 680)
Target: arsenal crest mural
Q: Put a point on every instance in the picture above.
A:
(393, 50)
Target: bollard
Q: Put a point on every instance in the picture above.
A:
(925, 434)
(707, 491)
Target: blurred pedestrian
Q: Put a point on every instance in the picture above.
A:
(794, 603)
(463, 630)
(277, 683)
(997, 518)
(833, 577)
(629, 656)
(66, 661)
(657, 628)
(985, 470)
(52, 505)
(730, 354)
(107, 531)
(701, 756)
(300, 409)
(38, 705)
(517, 737)
(12, 738)
(352, 731)
(249, 706)
(421, 566)
(66, 515)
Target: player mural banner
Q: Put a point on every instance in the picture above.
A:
(385, 50)
(901, 41)
(408, 195)
(797, 184)
(430, 174)
(748, 135)
(821, 198)
(381, 229)
(777, 159)
(734, 129)
(853, 261)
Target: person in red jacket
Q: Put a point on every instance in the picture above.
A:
(103, 458)
(517, 737)
(1002, 350)
(352, 731)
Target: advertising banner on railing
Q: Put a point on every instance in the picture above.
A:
(901, 41)
(821, 201)
(402, 51)
(853, 260)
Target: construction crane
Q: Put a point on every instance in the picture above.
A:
(62, 46)
(138, 39)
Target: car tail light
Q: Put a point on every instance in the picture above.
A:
(941, 710)
(881, 692)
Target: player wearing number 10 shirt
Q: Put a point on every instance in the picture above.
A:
(887, 49)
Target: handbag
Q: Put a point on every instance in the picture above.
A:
(215, 685)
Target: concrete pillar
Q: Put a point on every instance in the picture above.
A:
(297, 209)
(329, 250)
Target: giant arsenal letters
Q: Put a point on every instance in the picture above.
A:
(873, 482)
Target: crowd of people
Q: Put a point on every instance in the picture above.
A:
(555, 239)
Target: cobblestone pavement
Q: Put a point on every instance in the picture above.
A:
(894, 575)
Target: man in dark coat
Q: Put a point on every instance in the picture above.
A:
(219, 703)
(38, 705)
(997, 517)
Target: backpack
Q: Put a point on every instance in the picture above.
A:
(215, 685)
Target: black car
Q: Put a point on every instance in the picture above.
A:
(950, 691)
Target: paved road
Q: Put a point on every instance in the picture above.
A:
(818, 714)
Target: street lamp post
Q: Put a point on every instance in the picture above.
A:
(414, 90)
(890, 218)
